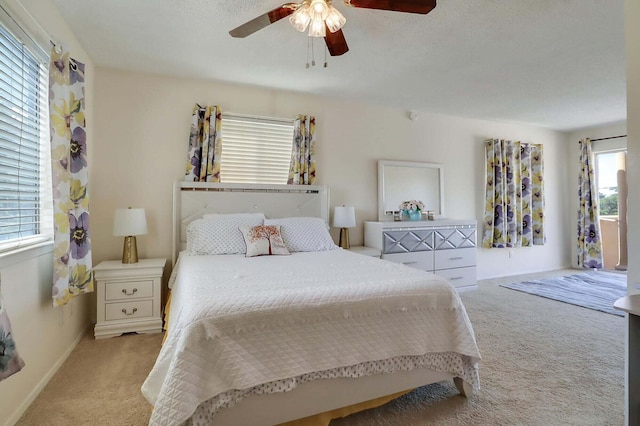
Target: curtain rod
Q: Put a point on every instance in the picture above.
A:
(258, 118)
(610, 137)
(43, 33)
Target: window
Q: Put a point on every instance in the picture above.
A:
(255, 150)
(26, 211)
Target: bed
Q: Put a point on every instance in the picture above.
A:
(271, 339)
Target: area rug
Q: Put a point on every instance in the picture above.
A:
(593, 290)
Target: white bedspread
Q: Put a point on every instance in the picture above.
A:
(238, 322)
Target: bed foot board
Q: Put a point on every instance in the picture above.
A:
(463, 387)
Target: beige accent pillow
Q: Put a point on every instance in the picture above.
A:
(263, 240)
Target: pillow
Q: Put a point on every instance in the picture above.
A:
(220, 234)
(304, 233)
(263, 239)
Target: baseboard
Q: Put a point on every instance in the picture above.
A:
(13, 419)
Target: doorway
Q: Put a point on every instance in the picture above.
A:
(612, 211)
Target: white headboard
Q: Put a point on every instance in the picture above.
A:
(193, 199)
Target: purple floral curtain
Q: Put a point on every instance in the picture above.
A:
(514, 204)
(10, 360)
(205, 145)
(589, 242)
(72, 243)
(302, 170)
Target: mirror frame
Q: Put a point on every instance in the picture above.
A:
(382, 217)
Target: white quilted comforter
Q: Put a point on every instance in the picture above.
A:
(237, 323)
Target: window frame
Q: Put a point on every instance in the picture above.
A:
(43, 235)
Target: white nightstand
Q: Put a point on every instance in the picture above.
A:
(367, 251)
(129, 296)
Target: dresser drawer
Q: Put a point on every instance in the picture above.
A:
(407, 241)
(128, 310)
(123, 290)
(419, 260)
(458, 258)
(459, 277)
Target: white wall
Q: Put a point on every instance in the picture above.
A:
(44, 335)
(142, 127)
(632, 38)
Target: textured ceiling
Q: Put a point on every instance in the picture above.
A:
(552, 63)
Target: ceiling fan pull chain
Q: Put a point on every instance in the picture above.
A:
(325, 57)
(308, 41)
(313, 55)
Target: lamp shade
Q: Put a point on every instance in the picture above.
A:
(344, 217)
(128, 222)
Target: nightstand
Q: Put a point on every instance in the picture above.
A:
(367, 251)
(129, 296)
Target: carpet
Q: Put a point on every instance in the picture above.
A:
(593, 290)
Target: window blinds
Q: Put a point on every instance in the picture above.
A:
(255, 150)
(25, 199)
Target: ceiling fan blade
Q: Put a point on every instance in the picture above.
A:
(409, 6)
(264, 20)
(336, 43)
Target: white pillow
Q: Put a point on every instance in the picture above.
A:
(304, 233)
(263, 240)
(219, 235)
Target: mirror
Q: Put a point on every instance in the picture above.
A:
(400, 181)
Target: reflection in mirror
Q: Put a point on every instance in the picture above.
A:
(400, 181)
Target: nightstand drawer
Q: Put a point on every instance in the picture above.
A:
(122, 290)
(128, 310)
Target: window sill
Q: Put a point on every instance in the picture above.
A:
(22, 254)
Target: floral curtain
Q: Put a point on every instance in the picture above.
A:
(205, 145)
(302, 170)
(589, 242)
(10, 360)
(72, 242)
(514, 207)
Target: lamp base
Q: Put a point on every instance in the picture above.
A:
(130, 250)
(344, 238)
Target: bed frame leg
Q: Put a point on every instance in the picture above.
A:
(463, 387)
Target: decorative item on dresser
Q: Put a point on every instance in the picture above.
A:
(129, 297)
(128, 223)
(445, 247)
(344, 218)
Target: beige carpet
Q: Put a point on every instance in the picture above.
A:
(544, 363)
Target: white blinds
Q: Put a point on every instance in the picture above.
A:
(25, 200)
(255, 150)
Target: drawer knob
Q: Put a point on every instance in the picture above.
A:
(409, 263)
(456, 278)
(133, 291)
(456, 258)
(133, 311)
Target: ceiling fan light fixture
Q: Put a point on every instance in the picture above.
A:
(335, 20)
(301, 17)
(317, 28)
(319, 8)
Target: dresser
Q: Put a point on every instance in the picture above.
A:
(444, 247)
(129, 297)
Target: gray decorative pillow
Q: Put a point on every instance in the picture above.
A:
(10, 361)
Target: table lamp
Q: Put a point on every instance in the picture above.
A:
(128, 223)
(344, 218)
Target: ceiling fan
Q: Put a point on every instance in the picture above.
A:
(326, 21)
